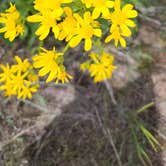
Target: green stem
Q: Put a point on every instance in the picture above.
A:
(144, 108)
(66, 48)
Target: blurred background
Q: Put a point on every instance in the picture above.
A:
(120, 122)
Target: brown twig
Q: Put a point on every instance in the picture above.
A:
(110, 91)
(108, 134)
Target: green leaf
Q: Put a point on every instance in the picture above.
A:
(151, 139)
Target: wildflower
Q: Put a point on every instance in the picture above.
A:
(68, 26)
(88, 3)
(27, 90)
(117, 36)
(48, 20)
(100, 66)
(50, 12)
(7, 87)
(121, 22)
(101, 7)
(11, 21)
(50, 62)
(15, 79)
(87, 28)
(6, 73)
(34, 78)
(42, 5)
(21, 66)
(63, 77)
(5, 77)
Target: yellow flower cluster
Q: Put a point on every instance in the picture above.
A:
(120, 20)
(99, 66)
(50, 62)
(19, 79)
(100, 7)
(78, 26)
(11, 21)
(49, 13)
(73, 24)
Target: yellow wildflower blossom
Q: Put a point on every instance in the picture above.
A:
(48, 20)
(117, 36)
(11, 21)
(34, 78)
(68, 26)
(120, 19)
(27, 90)
(23, 87)
(50, 12)
(50, 62)
(88, 3)
(100, 66)
(87, 28)
(6, 73)
(7, 87)
(15, 80)
(42, 5)
(21, 66)
(63, 77)
(102, 7)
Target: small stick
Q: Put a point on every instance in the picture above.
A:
(110, 91)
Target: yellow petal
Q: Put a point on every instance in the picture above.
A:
(43, 71)
(97, 32)
(130, 23)
(96, 13)
(110, 4)
(122, 42)
(108, 38)
(34, 18)
(56, 31)
(51, 76)
(75, 41)
(125, 30)
(88, 44)
(43, 32)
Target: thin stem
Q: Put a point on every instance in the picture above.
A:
(110, 91)
(66, 48)
(35, 105)
(144, 108)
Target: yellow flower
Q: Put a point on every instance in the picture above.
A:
(11, 21)
(15, 80)
(48, 20)
(50, 62)
(7, 87)
(102, 7)
(6, 73)
(100, 66)
(63, 77)
(27, 90)
(117, 36)
(87, 28)
(68, 26)
(23, 87)
(21, 66)
(120, 19)
(50, 11)
(34, 78)
(88, 3)
(42, 5)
